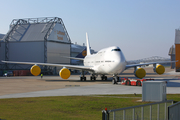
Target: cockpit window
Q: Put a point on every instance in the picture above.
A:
(116, 50)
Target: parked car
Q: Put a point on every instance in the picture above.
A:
(8, 74)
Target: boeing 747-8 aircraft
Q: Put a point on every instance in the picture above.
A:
(108, 61)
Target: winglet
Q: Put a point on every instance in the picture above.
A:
(88, 46)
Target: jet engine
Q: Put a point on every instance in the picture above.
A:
(139, 72)
(35, 70)
(64, 73)
(159, 69)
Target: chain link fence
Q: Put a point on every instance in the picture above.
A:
(174, 111)
(152, 111)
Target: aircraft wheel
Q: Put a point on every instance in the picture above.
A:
(114, 81)
(91, 78)
(118, 79)
(84, 78)
(94, 78)
(138, 83)
(105, 77)
(128, 82)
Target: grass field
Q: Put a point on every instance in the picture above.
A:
(67, 107)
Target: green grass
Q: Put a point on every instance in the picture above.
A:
(66, 107)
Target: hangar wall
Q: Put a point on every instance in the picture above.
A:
(2, 51)
(56, 51)
(26, 51)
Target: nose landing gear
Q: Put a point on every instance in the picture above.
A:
(115, 80)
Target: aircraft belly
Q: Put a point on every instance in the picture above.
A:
(104, 69)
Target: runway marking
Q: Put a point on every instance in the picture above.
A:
(72, 85)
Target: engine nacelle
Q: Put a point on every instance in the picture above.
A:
(159, 69)
(64, 73)
(140, 72)
(35, 70)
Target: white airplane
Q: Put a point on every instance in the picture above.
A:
(108, 61)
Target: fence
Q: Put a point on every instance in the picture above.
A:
(152, 111)
(174, 111)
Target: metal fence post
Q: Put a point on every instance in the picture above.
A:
(157, 111)
(165, 111)
(105, 115)
(124, 114)
(114, 115)
(142, 113)
(133, 114)
(150, 117)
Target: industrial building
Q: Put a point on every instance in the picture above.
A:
(172, 54)
(37, 40)
(177, 49)
(1, 36)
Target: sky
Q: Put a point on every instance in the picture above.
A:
(140, 28)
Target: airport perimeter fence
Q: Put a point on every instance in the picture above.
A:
(152, 111)
(174, 111)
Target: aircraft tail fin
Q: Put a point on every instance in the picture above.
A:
(88, 46)
(82, 54)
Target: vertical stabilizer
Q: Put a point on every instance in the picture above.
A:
(88, 47)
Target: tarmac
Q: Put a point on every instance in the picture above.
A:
(34, 86)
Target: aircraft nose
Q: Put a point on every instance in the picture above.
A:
(120, 62)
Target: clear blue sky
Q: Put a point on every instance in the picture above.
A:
(140, 28)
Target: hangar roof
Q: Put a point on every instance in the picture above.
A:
(38, 29)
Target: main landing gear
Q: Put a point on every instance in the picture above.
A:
(115, 80)
(93, 77)
(83, 78)
(103, 77)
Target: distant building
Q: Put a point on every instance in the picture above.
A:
(1, 36)
(35, 40)
(173, 57)
(177, 49)
(43, 40)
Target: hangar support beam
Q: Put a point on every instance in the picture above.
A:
(8, 36)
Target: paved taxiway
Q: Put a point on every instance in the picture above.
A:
(31, 86)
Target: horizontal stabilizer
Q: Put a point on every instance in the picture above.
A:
(73, 58)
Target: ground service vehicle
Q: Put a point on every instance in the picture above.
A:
(133, 82)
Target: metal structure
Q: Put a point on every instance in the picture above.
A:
(16, 23)
(152, 111)
(172, 54)
(153, 91)
(37, 35)
(150, 59)
(173, 111)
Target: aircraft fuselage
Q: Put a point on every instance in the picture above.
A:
(107, 61)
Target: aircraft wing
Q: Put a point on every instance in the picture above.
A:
(78, 67)
(135, 65)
